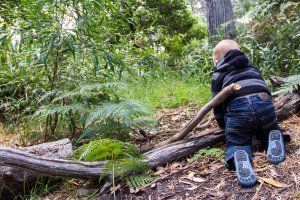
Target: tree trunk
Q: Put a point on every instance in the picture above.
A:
(219, 12)
(12, 179)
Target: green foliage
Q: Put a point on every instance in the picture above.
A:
(136, 181)
(292, 83)
(208, 153)
(272, 37)
(122, 158)
(106, 149)
(100, 111)
(51, 52)
(169, 93)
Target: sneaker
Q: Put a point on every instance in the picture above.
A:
(244, 171)
(275, 152)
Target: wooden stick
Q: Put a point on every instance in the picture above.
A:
(219, 98)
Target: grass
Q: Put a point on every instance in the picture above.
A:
(169, 94)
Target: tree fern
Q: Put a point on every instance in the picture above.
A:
(292, 83)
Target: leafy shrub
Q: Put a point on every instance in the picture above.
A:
(100, 111)
(272, 37)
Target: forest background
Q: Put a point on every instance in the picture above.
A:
(91, 70)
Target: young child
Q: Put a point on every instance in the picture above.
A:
(248, 112)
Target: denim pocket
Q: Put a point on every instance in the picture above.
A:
(239, 105)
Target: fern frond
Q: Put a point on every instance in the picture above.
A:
(121, 111)
(46, 95)
(292, 83)
(101, 86)
(52, 109)
(133, 165)
(107, 149)
(204, 153)
(90, 90)
(137, 181)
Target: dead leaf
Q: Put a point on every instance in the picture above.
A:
(192, 188)
(192, 177)
(134, 190)
(185, 182)
(175, 165)
(273, 172)
(160, 170)
(153, 185)
(273, 182)
(221, 184)
(115, 188)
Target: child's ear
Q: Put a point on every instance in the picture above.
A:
(216, 61)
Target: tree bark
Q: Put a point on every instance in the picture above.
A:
(219, 12)
(12, 179)
(93, 170)
(219, 98)
(288, 105)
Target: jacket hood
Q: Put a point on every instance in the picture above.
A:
(233, 60)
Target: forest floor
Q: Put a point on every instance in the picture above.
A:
(207, 178)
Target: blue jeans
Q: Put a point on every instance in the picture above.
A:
(248, 116)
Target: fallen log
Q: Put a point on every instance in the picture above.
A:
(13, 179)
(93, 170)
(277, 81)
(219, 98)
(288, 105)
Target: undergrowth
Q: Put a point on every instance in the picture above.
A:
(208, 153)
(169, 93)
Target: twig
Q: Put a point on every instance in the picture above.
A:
(255, 197)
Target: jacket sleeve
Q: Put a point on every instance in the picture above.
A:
(216, 87)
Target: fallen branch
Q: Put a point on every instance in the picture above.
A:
(93, 170)
(13, 179)
(219, 98)
(288, 105)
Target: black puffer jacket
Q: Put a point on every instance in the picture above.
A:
(235, 67)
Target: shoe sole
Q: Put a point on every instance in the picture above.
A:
(275, 152)
(244, 171)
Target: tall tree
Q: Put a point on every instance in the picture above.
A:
(219, 16)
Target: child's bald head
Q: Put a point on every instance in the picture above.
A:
(222, 48)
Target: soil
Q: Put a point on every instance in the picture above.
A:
(207, 178)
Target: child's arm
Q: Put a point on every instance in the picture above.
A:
(216, 87)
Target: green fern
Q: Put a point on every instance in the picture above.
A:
(107, 149)
(51, 109)
(292, 83)
(92, 90)
(137, 181)
(204, 153)
(123, 111)
(122, 158)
